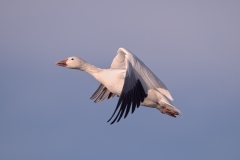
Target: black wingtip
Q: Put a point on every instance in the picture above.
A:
(127, 100)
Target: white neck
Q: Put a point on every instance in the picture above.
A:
(92, 70)
(89, 68)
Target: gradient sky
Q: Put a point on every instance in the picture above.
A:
(46, 113)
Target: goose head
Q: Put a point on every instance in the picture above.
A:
(72, 63)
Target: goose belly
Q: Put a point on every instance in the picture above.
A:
(152, 99)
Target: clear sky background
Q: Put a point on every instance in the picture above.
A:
(45, 110)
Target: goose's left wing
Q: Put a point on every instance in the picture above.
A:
(134, 89)
(138, 80)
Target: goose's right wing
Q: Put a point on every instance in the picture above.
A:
(101, 93)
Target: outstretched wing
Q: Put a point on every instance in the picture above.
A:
(138, 80)
(140, 70)
(133, 92)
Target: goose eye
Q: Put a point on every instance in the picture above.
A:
(72, 59)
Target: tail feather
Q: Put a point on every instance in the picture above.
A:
(169, 109)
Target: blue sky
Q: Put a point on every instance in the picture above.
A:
(46, 113)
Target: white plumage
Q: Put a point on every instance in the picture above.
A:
(130, 79)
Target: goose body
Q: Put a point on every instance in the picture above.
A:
(112, 79)
(130, 79)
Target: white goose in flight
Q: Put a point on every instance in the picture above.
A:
(131, 80)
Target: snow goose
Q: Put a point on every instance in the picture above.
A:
(131, 80)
